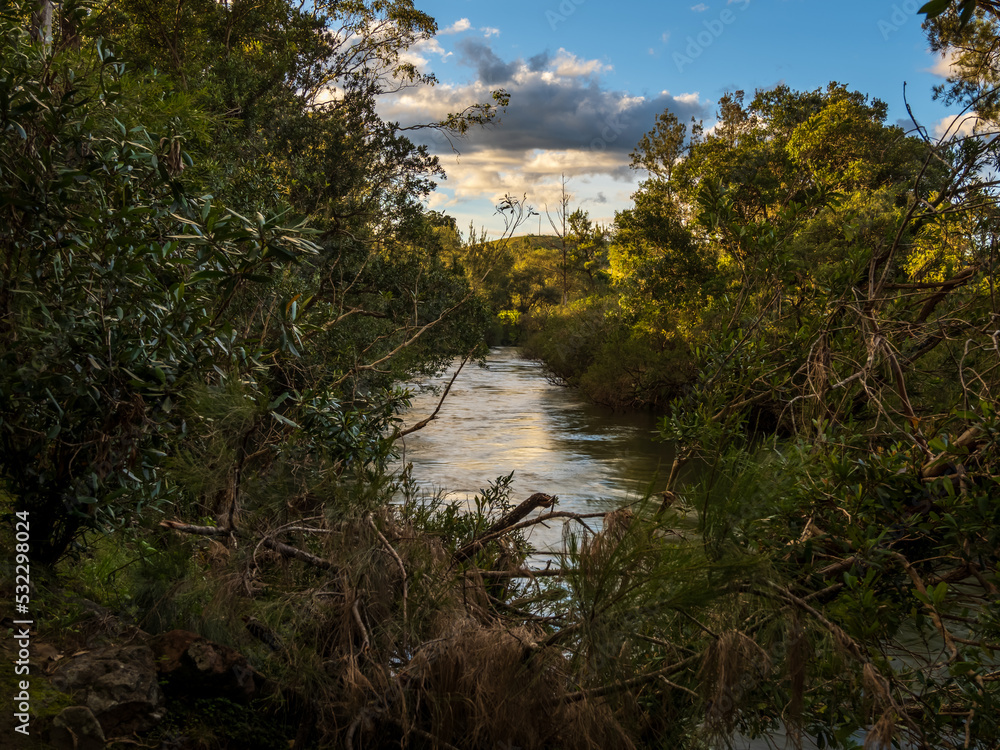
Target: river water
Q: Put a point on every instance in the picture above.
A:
(508, 417)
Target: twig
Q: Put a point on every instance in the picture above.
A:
(282, 549)
(364, 632)
(402, 570)
(199, 530)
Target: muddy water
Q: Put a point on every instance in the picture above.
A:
(508, 417)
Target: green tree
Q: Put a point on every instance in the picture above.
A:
(659, 150)
(148, 252)
(589, 247)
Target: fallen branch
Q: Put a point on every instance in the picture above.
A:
(538, 500)
(282, 549)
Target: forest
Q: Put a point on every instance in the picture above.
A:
(218, 272)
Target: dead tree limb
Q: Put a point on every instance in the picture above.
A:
(538, 500)
(285, 550)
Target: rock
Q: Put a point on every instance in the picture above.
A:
(76, 728)
(198, 665)
(44, 656)
(118, 684)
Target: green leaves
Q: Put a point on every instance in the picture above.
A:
(111, 292)
(935, 8)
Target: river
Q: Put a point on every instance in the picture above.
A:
(509, 417)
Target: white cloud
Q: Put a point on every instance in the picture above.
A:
(692, 98)
(489, 31)
(462, 24)
(493, 173)
(568, 64)
(417, 53)
(962, 125)
(665, 36)
(945, 65)
(561, 120)
(699, 8)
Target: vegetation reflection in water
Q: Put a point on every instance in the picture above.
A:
(509, 417)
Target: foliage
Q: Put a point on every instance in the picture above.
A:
(129, 293)
(215, 267)
(826, 285)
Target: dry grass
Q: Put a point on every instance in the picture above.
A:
(445, 671)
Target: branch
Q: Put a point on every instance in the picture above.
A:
(361, 626)
(519, 573)
(402, 569)
(618, 687)
(538, 500)
(424, 422)
(581, 517)
(919, 584)
(937, 465)
(282, 549)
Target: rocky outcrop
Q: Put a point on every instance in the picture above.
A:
(200, 666)
(76, 728)
(119, 686)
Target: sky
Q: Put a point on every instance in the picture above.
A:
(588, 77)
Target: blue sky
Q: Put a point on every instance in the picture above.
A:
(588, 77)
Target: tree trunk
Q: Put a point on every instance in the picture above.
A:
(41, 23)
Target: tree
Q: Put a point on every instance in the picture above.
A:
(561, 228)
(151, 265)
(853, 314)
(589, 245)
(659, 150)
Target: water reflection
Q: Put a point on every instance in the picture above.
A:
(508, 417)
